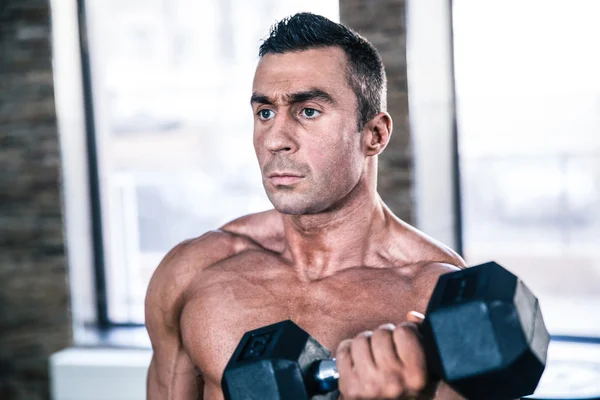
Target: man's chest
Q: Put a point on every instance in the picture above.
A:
(217, 314)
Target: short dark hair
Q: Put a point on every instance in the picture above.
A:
(366, 73)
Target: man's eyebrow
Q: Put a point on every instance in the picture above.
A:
(313, 94)
(260, 98)
(297, 97)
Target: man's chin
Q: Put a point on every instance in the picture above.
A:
(297, 209)
(294, 204)
(290, 210)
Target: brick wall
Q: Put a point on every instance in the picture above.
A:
(34, 317)
(382, 23)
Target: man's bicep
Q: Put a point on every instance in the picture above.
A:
(171, 374)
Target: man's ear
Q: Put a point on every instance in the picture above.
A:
(376, 133)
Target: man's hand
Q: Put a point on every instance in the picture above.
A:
(387, 363)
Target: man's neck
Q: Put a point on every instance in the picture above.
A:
(319, 245)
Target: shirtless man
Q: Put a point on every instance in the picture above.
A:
(330, 256)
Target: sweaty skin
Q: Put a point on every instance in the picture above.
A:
(330, 255)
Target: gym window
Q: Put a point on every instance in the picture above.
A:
(169, 127)
(528, 113)
(167, 86)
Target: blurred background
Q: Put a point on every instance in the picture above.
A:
(125, 128)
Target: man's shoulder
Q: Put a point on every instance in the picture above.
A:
(253, 231)
(417, 247)
(423, 260)
(184, 263)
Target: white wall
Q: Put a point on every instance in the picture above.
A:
(431, 115)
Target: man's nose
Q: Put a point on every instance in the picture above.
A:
(280, 137)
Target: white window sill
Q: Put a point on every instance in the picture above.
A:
(104, 365)
(80, 373)
(572, 371)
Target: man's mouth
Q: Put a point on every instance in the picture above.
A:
(284, 178)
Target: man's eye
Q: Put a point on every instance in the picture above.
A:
(266, 114)
(310, 112)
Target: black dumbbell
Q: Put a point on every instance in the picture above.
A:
(483, 334)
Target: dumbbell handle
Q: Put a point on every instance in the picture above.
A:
(324, 375)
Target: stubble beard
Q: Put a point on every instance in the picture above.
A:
(287, 201)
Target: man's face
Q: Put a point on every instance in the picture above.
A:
(305, 133)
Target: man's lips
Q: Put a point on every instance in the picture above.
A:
(284, 178)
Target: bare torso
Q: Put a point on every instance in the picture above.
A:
(247, 283)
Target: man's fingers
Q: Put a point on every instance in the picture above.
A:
(344, 363)
(415, 317)
(343, 356)
(362, 356)
(384, 349)
(412, 356)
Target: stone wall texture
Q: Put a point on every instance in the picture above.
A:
(382, 22)
(34, 316)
